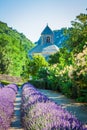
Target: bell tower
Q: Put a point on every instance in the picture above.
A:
(47, 36)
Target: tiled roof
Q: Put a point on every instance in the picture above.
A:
(44, 49)
(47, 30)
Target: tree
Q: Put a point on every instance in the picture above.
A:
(62, 57)
(35, 64)
(4, 61)
(77, 34)
(14, 47)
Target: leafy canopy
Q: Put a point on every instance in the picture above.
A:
(14, 48)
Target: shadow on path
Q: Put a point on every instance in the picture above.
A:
(16, 120)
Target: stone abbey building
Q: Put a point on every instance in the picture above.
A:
(46, 45)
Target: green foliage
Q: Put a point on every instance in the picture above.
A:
(43, 73)
(77, 34)
(71, 78)
(5, 82)
(63, 57)
(68, 67)
(38, 83)
(65, 71)
(34, 64)
(4, 61)
(14, 48)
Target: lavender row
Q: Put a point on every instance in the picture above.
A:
(7, 98)
(40, 113)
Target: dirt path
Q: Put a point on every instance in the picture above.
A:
(16, 121)
(77, 109)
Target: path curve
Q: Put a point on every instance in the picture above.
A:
(77, 109)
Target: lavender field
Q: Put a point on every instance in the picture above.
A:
(7, 98)
(40, 113)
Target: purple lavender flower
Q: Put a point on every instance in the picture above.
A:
(40, 113)
(7, 98)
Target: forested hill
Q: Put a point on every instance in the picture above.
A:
(14, 36)
(13, 50)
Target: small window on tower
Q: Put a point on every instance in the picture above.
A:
(48, 40)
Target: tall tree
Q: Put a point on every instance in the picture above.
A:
(78, 33)
(4, 60)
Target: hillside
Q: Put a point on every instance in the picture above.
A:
(13, 50)
(15, 36)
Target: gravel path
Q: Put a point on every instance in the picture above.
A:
(16, 120)
(77, 109)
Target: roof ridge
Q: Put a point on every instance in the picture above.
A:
(47, 30)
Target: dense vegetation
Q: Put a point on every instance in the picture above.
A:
(67, 69)
(33, 65)
(14, 48)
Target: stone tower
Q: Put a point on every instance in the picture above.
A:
(45, 46)
(47, 36)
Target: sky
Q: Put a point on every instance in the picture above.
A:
(30, 17)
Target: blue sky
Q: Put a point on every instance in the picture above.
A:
(31, 16)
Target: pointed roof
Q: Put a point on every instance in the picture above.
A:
(47, 30)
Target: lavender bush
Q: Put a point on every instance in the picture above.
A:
(40, 113)
(13, 86)
(1, 85)
(7, 98)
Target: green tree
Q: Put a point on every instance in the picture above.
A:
(35, 64)
(14, 47)
(4, 60)
(63, 57)
(77, 34)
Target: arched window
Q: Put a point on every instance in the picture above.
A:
(48, 39)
